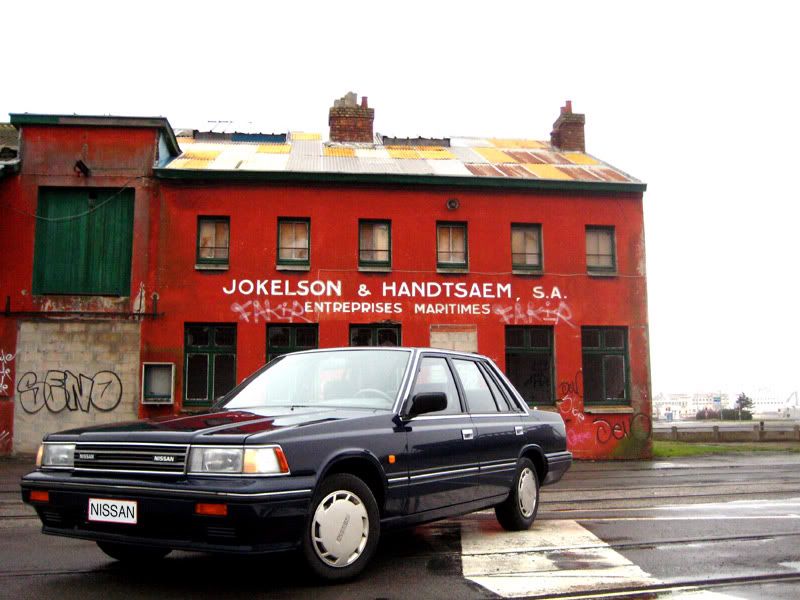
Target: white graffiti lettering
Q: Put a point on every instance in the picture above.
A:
(5, 371)
(264, 311)
(519, 314)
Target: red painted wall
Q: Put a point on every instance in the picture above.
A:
(188, 295)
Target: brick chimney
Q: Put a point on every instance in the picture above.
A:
(567, 131)
(350, 122)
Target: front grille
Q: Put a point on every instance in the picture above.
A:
(127, 458)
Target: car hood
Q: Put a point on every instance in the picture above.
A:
(223, 426)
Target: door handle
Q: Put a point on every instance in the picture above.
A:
(519, 429)
(467, 434)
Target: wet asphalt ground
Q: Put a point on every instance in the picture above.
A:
(702, 528)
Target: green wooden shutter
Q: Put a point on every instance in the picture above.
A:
(88, 255)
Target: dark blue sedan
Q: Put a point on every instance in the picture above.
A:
(318, 450)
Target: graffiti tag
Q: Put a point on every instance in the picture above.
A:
(255, 310)
(520, 314)
(61, 390)
(5, 371)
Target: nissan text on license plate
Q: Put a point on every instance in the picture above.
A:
(112, 511)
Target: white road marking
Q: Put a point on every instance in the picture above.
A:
(553, 557)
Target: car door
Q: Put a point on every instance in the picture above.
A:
(498, 429)
(442, 451)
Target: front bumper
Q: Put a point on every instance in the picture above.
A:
(263, 515)
(557, 464)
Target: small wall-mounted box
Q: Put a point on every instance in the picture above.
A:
(158, 383)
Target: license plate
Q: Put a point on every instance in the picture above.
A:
(113, 511)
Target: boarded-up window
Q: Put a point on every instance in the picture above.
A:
(213, 240)
(451, 240)
(526, 247)
(374, 243)
(293, 241)
(600, 254)
(83, 242)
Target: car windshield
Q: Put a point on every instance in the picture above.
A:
(334, 379)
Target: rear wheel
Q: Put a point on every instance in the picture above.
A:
(343, 528)
(129, 553)
(518, 511)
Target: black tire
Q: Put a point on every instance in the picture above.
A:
(348, 501)
(510, 513)
(129, 553)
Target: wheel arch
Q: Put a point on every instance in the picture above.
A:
(362, 464)
(536, 455)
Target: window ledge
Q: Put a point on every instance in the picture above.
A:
(530, 272)
(374, 269)
(210, 267)
(608, 410)
(452, 270)
(601, 273)
(292, 267)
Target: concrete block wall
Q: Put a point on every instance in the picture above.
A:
(73, 374)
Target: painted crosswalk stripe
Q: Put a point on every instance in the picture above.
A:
(552, 557)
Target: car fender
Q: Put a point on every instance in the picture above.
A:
(349, 453)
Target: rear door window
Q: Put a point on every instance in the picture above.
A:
(479, 396)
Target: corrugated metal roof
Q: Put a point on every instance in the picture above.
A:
(469, 157)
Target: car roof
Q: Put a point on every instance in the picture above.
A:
(413, 349)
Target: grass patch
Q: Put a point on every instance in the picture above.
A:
(666, 449)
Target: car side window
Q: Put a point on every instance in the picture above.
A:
(479, 397)
(499, 396)
(434, 376)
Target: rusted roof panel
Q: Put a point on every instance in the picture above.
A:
(465, 157)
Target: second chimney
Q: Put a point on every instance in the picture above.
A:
(567, 131)
(350, 122)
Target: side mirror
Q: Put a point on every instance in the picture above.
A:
(427, 403)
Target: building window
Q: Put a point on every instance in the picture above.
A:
(374, 243)
(83, 242)
(210, 362)
(526, 247)
(451, 245)
(294, 241)
(283, 339)
(213, 240)
(375, 335)
(605, 365)
(600, 250)
(530, 363)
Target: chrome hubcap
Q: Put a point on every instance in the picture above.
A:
(340, 528)
(526, 492)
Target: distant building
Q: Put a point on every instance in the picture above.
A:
(681, 406)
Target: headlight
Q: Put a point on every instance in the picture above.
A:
(57, 455)
(237, 461)
(215, 460)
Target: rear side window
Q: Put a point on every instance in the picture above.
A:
(499, 396)
(479, 396)
(434, 376)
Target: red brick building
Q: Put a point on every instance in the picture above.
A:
(146, 274)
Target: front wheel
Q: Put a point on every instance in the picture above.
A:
(343, 528)
(129, 553)
(518, 511)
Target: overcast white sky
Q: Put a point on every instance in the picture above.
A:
(698, 99)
